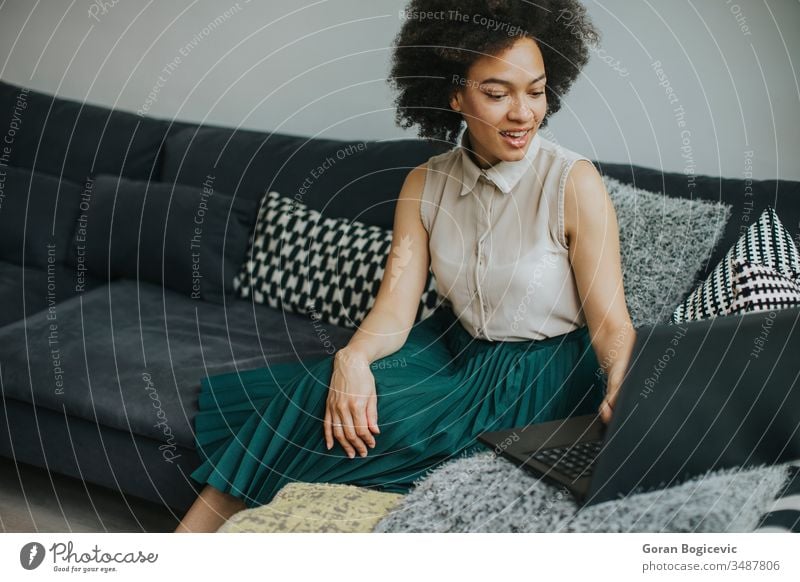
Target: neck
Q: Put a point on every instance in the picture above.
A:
(481, 163)
(475, 155)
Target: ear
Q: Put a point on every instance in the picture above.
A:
(455, 100)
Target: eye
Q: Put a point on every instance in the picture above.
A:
(537, 94)
(495, 96)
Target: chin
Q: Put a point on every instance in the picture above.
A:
(512, 156)
(517, 155)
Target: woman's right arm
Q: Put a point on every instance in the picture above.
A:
(386, 327)
(352, 401)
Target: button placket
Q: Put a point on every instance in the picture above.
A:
(480, 263)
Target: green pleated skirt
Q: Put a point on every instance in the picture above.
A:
(257, 430)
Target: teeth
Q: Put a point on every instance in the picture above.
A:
(514, 133)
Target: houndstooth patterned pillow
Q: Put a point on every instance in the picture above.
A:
(766, 242)
(328, 268)
(759, 288)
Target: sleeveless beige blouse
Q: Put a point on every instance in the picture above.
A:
(497, 243)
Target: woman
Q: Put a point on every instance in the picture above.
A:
(522, 239)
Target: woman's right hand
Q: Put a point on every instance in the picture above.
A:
(351, 412)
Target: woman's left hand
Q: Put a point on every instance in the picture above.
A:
(612, 390)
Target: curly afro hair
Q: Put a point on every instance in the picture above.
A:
(440, 40)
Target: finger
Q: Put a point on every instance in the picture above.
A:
(612, 398)
(338, 433)
(326, 427)
(372, 414)
(605, 411)
(350, 433)
(609, 402)
(361, 425)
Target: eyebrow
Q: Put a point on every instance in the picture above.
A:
(508, 83)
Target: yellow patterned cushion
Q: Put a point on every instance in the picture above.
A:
(315, 508)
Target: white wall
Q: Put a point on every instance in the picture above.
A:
(319, 67)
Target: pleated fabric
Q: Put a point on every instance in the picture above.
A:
(257, 430)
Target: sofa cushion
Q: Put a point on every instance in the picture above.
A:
(330, 268)
(94, 453)
(25, 290)
(131, 355)
(191, 239)
(356, 180)
(68, 138)
(766, 242)
(37, 217)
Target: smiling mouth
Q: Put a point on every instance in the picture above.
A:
(515, 134)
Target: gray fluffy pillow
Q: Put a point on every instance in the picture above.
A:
(663, 244)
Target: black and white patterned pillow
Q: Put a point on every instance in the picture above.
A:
(328, 268)
(760, 288)
(766, 242)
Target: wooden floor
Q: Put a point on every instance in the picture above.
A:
(31, 500)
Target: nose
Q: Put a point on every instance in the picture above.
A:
(520, 111)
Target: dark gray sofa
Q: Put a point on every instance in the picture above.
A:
(109, 394)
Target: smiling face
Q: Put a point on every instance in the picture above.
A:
(503, 102)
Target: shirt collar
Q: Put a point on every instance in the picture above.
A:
(504, 175)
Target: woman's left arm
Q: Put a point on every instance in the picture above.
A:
(590, 224)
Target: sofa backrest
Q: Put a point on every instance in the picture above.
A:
(357, 180)
(70, 139)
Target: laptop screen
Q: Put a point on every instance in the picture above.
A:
(700, 396)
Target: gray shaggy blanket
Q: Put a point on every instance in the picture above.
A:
(485, 493)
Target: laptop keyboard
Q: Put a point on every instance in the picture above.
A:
(573, 461)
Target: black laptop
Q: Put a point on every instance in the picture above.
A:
(699, 396)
